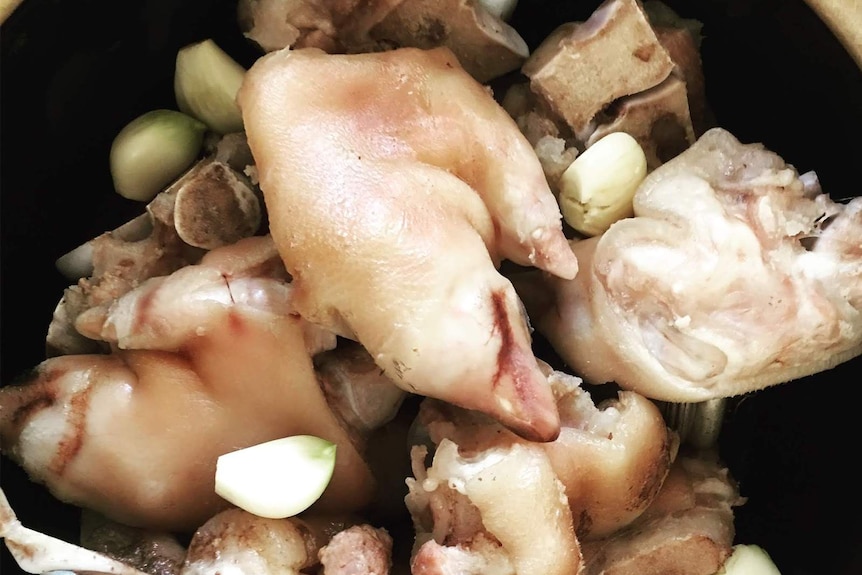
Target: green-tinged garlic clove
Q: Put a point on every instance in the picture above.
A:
(153, 150)
(206, 80)
(279, 478)
(748, 560)
(596, 190)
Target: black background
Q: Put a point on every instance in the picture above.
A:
(74, 72)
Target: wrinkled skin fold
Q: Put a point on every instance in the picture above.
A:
(733, 275)
(395, 185)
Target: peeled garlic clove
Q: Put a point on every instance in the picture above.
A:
(206, 80)
(279, 478)
(153, 150)
(748, 560)
(596, 190)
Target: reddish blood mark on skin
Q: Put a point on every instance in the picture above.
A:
(509, 361)
(37, 403)
(43, 395)
(144, 306)
(71, 444)
(40, 396)
(235, 323)
(531, 416)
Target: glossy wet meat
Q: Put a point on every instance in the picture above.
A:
(732, 276)
(611, 458)
(207, 360)
(394, 185)
(502, 506)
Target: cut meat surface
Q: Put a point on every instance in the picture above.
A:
(358, 550)
(733, 275)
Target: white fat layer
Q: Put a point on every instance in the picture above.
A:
(450, 467)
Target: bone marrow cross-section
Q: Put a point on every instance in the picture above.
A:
(580, 68)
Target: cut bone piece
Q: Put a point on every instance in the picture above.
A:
(682, 38)
(232, 149)
(209, 206)
(145, 247)
(394, 185)
(582, 67)
(657, 118)
(730, 278)
(485, 45)
(210, 359)
(215, 206)
(216, 178)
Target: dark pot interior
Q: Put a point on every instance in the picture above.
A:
(73, 73)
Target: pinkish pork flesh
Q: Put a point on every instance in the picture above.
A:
(481, 555)
(332, 25)
(731, 277)
(395, 185)
(237, 542)
(688, 529)
(611, 458)
(208, 360)
(501, 507)
(358, 550)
